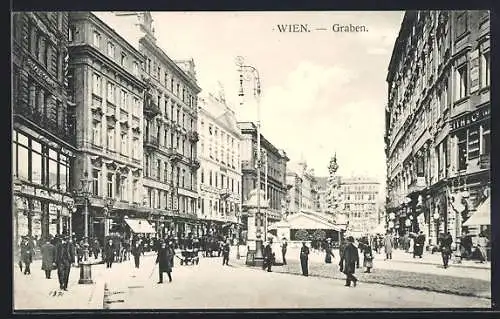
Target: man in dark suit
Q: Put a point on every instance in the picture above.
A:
(349, 261)
(64, 258)
(283, 250)
(268, 256)
(48, 257)
(164, 259)
(225, 253)
(109, 253)
(27, 252)
(304, 258)
(136, 251)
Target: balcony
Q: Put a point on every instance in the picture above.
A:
(42, 121)
(151, 109)
(193, 136)
(417, 185)
(224, 193)
(151, 143)
(484, 161)
(173, 154)
(194, 163)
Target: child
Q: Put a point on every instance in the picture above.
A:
(368, 257)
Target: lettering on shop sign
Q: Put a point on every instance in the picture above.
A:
(470, 118)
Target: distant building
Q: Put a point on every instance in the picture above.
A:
(275, 162)
(322, 194)
(219, 175)
(359, 203)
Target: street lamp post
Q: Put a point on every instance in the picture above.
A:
(238, 216)
(85, 265)
(247, 73)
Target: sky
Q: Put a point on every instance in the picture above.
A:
(323, 92)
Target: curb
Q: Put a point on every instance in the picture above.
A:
(375, 282)
(436, 264)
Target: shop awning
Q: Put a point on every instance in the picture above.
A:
(481, 216)
(140, 226)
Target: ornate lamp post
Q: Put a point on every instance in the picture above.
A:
(85, 265)
(238, 217)
(437, 219)
(250, 73)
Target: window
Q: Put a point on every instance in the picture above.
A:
(485, 69)
(216, 180)
(124, 141)
(165, 172)
(123, 59)
(165, 79)
(135, 68)
(111, 92)
(97, 39)
(96, 133)
(183, 178)
(111, 139)
(178, 176)
(210, 179)
(135, 190)
(202, 176)
(95, 181)
(110, 186)
(158, 72)
(462, 82)
(111, 49)
(148, 66)
(158, 169)
(147, 165)
(96, 84)
(460, 24)
(123, 189)
(36, 163)
(473, 143)
(462, 149)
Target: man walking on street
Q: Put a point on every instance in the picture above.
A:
(164, 259)
(268, 256)
(64, 258)
(136, 251)
(284, 246)
(27, 252)
(349, 262)
(304, 259)
(109, 253)
(388, 246)
(48, 257)
(446, 249)
(419, 245)
(225, 253)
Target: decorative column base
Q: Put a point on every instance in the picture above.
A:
(85, 273)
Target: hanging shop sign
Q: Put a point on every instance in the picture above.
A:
(470, 118)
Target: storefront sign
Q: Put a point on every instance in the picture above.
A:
(470, 118)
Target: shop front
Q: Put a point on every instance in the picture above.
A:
(40, 214)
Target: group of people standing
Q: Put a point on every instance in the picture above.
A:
(58, 253)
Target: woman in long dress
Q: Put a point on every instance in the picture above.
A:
(412, 244)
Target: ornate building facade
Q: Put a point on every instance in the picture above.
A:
(105, 80)
(170, 114)
(274, 162)
(43, 132)
(219, 176)
(294, 192)
(359, 202)
(438, 121)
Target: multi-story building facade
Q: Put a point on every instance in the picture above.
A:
(438, 121)
(274, 164)
(104, 79)
(303, 188)
(219, 177)
(169, 128)
(322, 194)
(359, 203)
(42, 136)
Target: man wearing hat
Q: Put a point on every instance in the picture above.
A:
(64, 257)
(328, 251)
(349, 261)
(284, 246)
(304, 258)
(27, 252)
(268, 256)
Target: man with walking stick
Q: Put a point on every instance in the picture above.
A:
(164, 260)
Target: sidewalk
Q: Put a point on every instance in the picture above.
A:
(34, 291)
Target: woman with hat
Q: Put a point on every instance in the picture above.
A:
(304, 258)
(349, 261)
